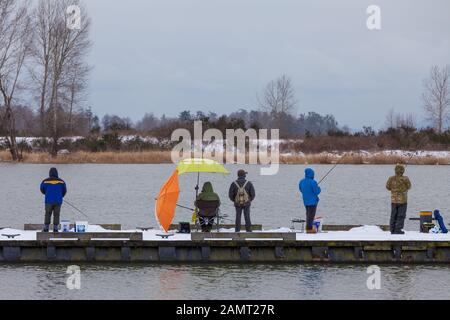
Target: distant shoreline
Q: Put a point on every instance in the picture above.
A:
(163, 157)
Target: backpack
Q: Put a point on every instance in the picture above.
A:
(242, 197)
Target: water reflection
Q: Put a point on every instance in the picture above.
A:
(221, 281)
(224, 281)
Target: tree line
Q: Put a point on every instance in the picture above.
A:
(43, 90)
(43, 60)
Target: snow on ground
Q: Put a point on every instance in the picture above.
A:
(219, 144)
(23, 235)
(372, 233)
(420, 154)
(152, 235)
(365, 233)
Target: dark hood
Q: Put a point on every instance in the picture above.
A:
(53, 173)
(208, 193)
(309, 173)
(207, 187)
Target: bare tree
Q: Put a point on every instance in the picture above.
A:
(390, 119)
(148, 122)
(399, 120)
(436, 97)
(59, 52)
(15, 30)
(278, 99)
(74, 90)
(44, 17)
(278, 96)
(407, 120)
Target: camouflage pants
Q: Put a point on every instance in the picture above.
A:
(398, 216)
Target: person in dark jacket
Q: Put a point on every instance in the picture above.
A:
(242, 193)
(208, 203)
(54, 190)
(310, 191)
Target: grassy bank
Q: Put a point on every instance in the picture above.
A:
(155, 157)
(95, 157)
(363, 159)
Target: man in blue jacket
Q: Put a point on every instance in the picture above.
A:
(310, 191)
(54, 190)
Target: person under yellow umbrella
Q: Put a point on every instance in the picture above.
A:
(166, 202)
(208, 203)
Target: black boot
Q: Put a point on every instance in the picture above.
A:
(46, 227)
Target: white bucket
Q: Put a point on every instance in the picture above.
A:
(81, 226)
(65, 225)
(318, 223)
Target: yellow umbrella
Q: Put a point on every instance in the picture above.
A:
(166, 202)
(200, 165)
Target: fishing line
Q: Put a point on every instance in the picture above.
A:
(331, 170)
(74, 207)
(183, 207)
(413, 153)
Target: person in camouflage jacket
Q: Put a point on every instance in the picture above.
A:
(398, 185)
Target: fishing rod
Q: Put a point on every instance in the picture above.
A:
(331, 170)
(409, 159)
(183, 207)
(180, 206)
(191, 209)
(413, 153)
(74, 207)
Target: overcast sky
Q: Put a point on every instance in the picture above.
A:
(165, 56)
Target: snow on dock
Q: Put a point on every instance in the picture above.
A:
(364, 233)
(372, 233)
(365, 244)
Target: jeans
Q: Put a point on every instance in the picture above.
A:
(248, 223)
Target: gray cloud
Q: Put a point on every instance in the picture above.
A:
(164, 56)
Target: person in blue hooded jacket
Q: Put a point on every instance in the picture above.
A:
(54, 190)
(310, 191)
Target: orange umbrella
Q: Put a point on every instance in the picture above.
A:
(166, 202)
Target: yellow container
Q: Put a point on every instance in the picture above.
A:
(425, 217)
(426, 213)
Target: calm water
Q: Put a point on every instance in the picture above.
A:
(124, 194)
(223, 282)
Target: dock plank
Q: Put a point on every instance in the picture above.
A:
(38, 226)
(87, 236)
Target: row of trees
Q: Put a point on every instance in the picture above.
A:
(43, 52)
(292, 126)
(436, 103)
(277, 106)
(82, 122)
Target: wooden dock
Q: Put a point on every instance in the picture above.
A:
(258, 247)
